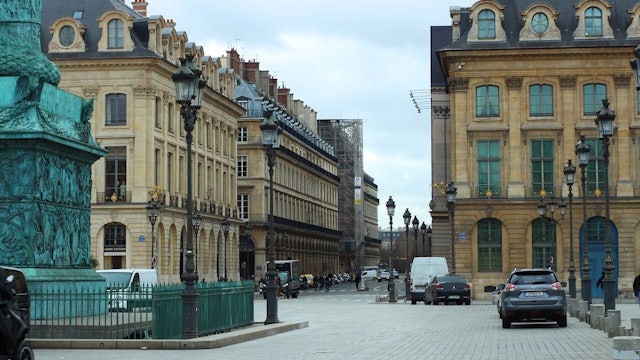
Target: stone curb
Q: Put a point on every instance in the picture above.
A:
(256, 331)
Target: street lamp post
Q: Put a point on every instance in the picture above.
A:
(423, 230)
(152, 214)
(415, 224)
(582, 151)
(189, 88)
(225, 229)
(429, 232)
(569, 174)
(271, 140)
(196, 228)
(391, 209)
(247, 240)
(451, 192)
(604, 121)
(542, 212)
(407, 220)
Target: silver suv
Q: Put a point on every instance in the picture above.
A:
(533, 295)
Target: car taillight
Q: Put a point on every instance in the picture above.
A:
(510, 287)
(438, 286)
(556, 286)
(467, 286)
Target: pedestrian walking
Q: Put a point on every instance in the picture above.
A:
(636, 286)
(600, 282)
(358, 280)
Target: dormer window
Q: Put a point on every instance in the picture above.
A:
(116, 34)
(67, 35)
(486, 25)
(593, 22)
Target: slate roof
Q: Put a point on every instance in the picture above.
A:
(566, 22)
(53, 10)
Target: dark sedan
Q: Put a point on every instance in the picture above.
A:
(448, 288)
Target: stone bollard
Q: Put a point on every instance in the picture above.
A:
(583, 307)
(597, 314)
(626, 348)
(573, 307)
(612, 323)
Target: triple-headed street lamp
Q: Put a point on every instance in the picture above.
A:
(582, 152)
(604, 121)
(189, 87)
(451, 192)
(391, 209)
(271, 140)
(569, 174)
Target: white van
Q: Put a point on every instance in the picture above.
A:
(129, 288)
(422, 270)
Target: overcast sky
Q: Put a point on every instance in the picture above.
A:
(349, 59)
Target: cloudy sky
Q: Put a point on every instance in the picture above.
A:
(349, 59)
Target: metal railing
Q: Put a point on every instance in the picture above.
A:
(148, 312)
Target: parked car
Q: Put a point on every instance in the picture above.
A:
(384, 275)
(448, 288)
(533, 295)
(395, 274)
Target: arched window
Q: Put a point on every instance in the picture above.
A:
(487, 101)
(486, 25)
(489, 245)
(541, 100)
(116, 34)
(543, 243)
(593, 22)
(115, 238)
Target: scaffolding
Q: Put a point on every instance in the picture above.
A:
(345, 135)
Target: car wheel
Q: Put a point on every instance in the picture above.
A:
(467, 302)
(427, 302)
(562, 321)
(413, 301)
(435, 302)
(506, 322)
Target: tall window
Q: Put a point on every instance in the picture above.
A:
(593, 95)
(170, 117)
(543, 242)
(595, 167)
(542, 165)
(158, 113)
(489, 166)
(116, 112)
(541, 100)
(115, 170)
(243, 164)
(486, 25)
(243, 205)
(116, 34)
(593, 22)
(243, 135)
(489, 245)
(115, 238)
(487, 101)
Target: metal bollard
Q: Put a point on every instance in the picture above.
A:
(626, 348)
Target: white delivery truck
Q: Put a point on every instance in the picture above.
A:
(422, 270)
(129, 288)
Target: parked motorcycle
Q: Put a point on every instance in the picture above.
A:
(14, 315)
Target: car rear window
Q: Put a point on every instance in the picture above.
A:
(533, 278)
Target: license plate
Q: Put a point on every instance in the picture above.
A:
(533, 293)
(454, 296)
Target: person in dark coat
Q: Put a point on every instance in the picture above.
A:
(636, 287)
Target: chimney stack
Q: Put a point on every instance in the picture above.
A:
(140, 6)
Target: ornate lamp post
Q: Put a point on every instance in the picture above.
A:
(271, 140)
(429, 232)
(415, 224)
(246, 232)
(225, 229)
(569, 175)
(451, 192)
(391, 209)
(550, 221)
(423, 231)
(407, 221)
(196, 228)
(152, 214)
(582, 151)
(604, 121)
(189, 90)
